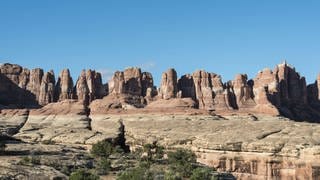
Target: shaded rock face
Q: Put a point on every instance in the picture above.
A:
(20, 87)
(187, 87)
(169, 84)
(64, 87)
(314, 93)
(292, 86)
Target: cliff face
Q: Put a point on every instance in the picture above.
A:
(281, 91)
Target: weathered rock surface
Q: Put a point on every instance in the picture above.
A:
(62, 122)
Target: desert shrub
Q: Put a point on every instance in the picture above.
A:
(48, 142)
(35, 160)
(103, 166)
(24, 161)
(182, 161)
(153, 151)
(102, 149)
(138, 173)
(171, 175)
(202, 173)
(83, 174)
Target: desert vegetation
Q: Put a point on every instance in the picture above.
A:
(151, 161)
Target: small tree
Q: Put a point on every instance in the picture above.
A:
(153, 151)
(202, 173)
(181, 161)
(102, 149)
(103, 166)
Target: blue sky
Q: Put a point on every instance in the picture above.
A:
(222, 36)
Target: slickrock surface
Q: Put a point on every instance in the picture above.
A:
(250, 147)
(63, 122)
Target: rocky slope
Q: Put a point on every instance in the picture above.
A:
(245, 126)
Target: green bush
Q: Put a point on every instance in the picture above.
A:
(170, 175)
(27, 160)
(154, 152)
(202, 173)
(103, 166)
(35, 160)
(135, 174)
(24, 161)
(48, 142)
(82, 174)
(182, 161)
(102, 149)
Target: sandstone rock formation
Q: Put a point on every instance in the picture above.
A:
(131, 81)
(169, 84)
(281, 91)
(89, 87)
(82, 89)
(186, 86)
(47, 88)
(35, 82)
(147, 84)
(243, 92)
(64, 87)
(203, 87)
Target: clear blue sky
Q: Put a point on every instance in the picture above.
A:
(222, 36)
